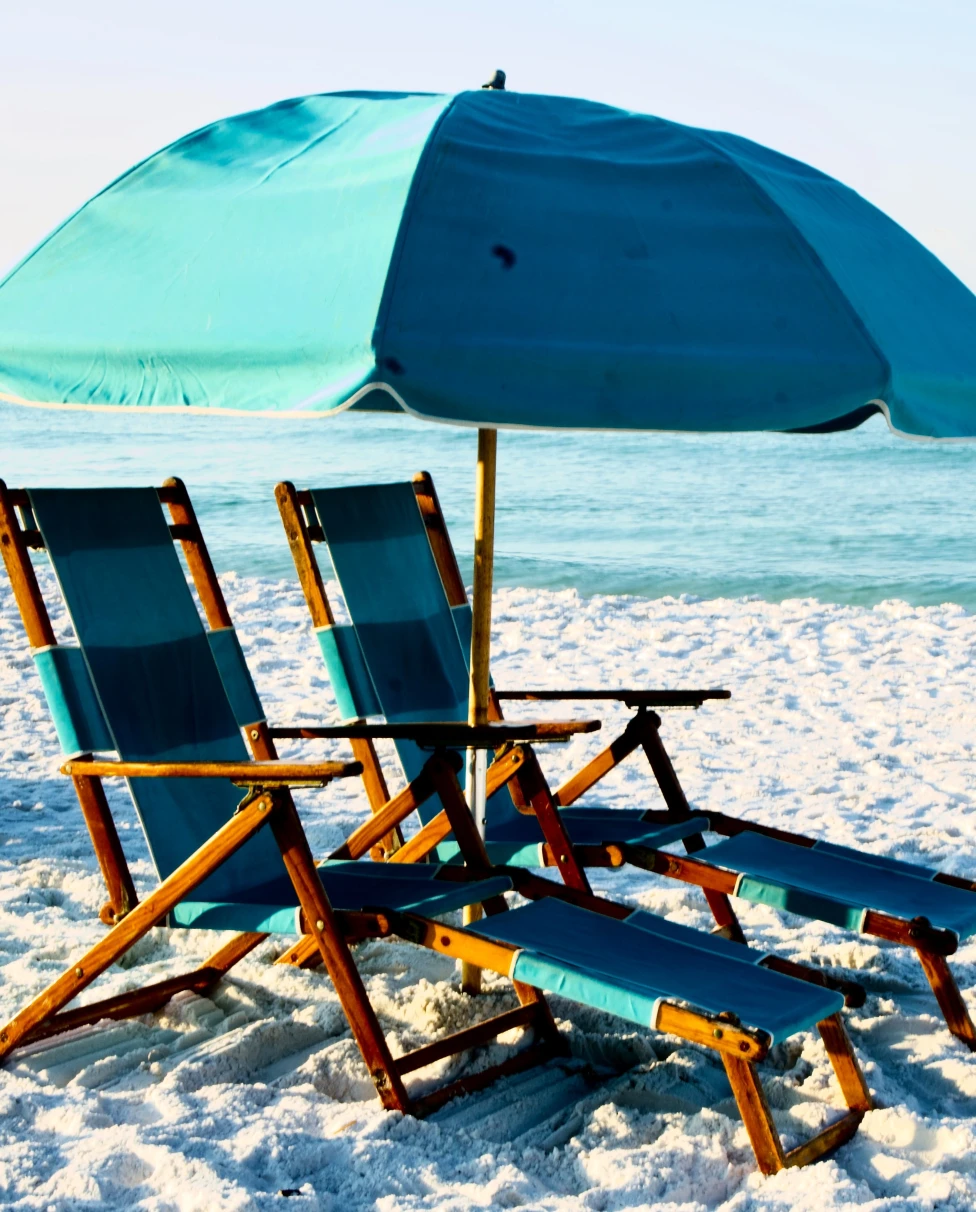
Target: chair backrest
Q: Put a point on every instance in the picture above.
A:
(153, 670)
(409, 642)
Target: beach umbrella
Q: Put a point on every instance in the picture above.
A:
(490, 259)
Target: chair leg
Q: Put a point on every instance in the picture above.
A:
(948, 996)
(758, 1120)
(321, 922)
(138, 922)
(754, 1109)
(150, 997)
(677, 802)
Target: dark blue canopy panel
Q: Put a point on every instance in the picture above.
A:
(490, 258)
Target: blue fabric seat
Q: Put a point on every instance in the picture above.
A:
(629, 967)
(839, 885)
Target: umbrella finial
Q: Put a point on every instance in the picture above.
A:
(497, 81)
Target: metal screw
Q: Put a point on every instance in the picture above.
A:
(254, 734)
(79, 972)
(320, 925)
(718, 1033)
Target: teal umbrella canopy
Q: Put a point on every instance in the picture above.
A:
(494, 259)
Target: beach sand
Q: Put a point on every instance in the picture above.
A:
(853, 723)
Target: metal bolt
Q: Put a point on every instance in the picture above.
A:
(563, 858)
(262, 805)
(718, 1033)
(320, 925)
(79, 972)
(254, 734)
(744, 1047)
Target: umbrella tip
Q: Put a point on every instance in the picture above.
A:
(497, 81)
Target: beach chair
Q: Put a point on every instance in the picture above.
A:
(390, 547)
(171, 698)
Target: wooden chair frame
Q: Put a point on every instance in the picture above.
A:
(931, 945)
(517, 766)
(269, 802)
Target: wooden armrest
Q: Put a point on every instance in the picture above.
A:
(448, 734)
(247, 774)
(631, 698)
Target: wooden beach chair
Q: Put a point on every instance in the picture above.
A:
(376, 539)
(171, 698)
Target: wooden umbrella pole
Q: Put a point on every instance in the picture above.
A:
(484, 560)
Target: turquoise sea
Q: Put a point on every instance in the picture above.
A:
(855, 517)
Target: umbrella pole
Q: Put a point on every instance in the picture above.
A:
(484, 560)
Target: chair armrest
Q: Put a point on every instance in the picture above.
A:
(446, 734)
(631, 698)
(246, 774)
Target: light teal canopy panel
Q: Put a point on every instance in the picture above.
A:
(490, 258)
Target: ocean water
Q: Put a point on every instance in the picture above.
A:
(854, 518)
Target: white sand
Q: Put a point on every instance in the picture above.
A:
(856, 724)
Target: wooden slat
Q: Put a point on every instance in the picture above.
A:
(150, 997)
(449, 940)
(712, 1031)
(471, 1037)
(320, 921)
(528, 1058)
(143, 917)
(424, 840)
(950, 1000)
(593, 771)
(187, 531)
(689, 870)
(916, 932)
(23, 581)
(839, 1133)
(440, 540)
(754, 1109)
(395, 811)
(631, 698)
(108, 849)
(845, 1064)
(247, 774)
(447, 734)
(534, 787)
(301, 550)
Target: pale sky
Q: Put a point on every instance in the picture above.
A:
(880, 93)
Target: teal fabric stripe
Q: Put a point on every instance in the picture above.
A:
(236, 677)
(407, 635)
(351, 682)
(836, 885)
(153, 671)
(626, 1002)
(78, 718)
(626, 966)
